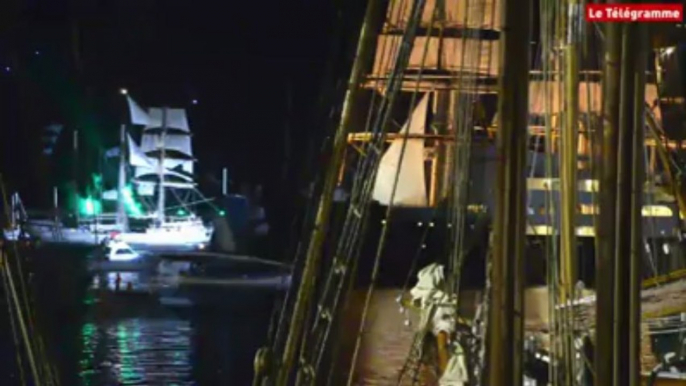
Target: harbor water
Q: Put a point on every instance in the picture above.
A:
(130, 340)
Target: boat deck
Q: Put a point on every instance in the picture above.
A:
(387, 337)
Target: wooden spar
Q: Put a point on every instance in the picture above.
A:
(440, 166)
(505, 335)
(305, 290)
(622, 333)
(341, 169)
(534, 131)
(604, 348)
(637, 183)
(568, 182)
(433, 187)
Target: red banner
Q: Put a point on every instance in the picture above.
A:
(647, 13)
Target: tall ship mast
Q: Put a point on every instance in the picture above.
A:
(166, 144)
(477, 159)
(162, 164)
(155, 191)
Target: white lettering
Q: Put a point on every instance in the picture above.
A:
(626, 13)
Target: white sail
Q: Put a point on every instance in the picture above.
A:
(172, 168)
(136, 156)
(177, 142)
(174, 119)
(176, 138)
(138, 115)
(411, 188)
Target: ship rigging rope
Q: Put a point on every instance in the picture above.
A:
(546, 50)
(668, 162)
(43, 374)
(550, 17)
(11, 310)
(567, 324)
(462, 120)
(463, 142)
(364, 184)
(387, 51)
(283, 324)
(349, 241)
(312, 189)
(652, 130)
(460, 188)
(13, 325)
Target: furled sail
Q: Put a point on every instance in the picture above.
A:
(484, 14)
(411, 188)
(471, 56)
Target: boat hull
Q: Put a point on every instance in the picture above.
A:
(49, 233)
(212, 279)
(179, 236)
(253, 292)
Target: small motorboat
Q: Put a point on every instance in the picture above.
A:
(117, 255)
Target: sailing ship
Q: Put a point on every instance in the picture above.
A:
(162, 164)
(498, 160)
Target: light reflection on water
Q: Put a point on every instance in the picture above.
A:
(100, 339)
(137, 351)
(136, 280)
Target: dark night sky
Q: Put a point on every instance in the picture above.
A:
(239, 59)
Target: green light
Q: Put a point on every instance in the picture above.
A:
(222, 213)
(97, 181)
(180, 212)
(131, 205)
(89, 207)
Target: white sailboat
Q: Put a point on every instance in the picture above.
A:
(163, 162)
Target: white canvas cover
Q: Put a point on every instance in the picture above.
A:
(411, 188)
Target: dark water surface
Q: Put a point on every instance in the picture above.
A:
(112, 341)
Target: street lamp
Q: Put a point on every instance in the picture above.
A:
(123, 91)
